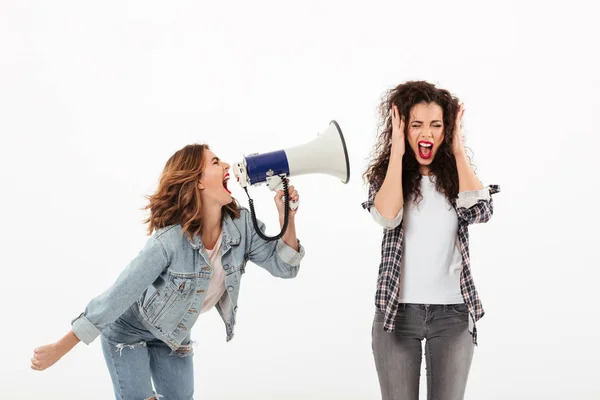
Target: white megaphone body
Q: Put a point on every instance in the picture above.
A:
(326, 154)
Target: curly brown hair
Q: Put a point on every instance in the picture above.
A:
(405, 96)
(177, 199)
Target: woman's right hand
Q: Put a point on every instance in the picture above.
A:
(398, 145)
(46, 356)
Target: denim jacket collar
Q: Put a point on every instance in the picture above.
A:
(231, 235)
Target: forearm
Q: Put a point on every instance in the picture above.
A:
(67, 343)
(289, 237)
(390, 198)
(282, 257)
(467, 180)
(129, 285)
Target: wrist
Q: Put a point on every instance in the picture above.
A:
(460, 152)
(65, 344)
(396, 155)
(396, 152)
(291, 241)
(291, 219)
(394, 167)
(61, 348)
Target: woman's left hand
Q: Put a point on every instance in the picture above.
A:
(457, 139)
(281, 204)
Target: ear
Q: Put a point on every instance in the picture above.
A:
(200, 185)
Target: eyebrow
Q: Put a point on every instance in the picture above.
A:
(420, 122)
(215, 159)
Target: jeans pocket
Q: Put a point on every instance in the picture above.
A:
(459, 309)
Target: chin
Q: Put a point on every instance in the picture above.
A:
(227, 201)
(425, 162)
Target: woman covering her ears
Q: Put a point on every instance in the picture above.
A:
(425, 194)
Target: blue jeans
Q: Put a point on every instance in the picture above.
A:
(136, 359)
(448, 351)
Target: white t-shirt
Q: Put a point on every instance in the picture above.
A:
(217, 279)
(431, 260)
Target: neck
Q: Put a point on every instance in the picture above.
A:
(211, 225)
(424, 170)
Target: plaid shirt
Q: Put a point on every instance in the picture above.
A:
(471, 208)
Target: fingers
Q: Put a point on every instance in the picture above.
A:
(35, 363)
(397, 120)
(460, 113)
(395, 113)
(293, 194)
(41, 359)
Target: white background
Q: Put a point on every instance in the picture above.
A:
(95, 96)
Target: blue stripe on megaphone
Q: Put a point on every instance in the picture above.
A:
(259, 164)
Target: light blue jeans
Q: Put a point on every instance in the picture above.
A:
(136, 359)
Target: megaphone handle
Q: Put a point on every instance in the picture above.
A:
(275, 183)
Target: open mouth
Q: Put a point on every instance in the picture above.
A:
(225, 180)
(425, 149)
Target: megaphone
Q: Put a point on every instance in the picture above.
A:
(326, 154)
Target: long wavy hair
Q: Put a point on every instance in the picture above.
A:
(177, 199)
(405, 96)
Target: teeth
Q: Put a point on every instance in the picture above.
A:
(425, 144)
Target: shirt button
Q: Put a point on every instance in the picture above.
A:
(225, 266)
(230, 289)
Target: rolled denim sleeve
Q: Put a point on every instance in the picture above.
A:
(279, 259)
(288, 255)
(129, 285)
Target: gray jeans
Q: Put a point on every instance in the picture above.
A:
(448, 352)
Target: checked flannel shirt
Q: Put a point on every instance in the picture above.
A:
(472, 207)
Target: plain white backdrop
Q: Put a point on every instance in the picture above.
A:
(95, 96)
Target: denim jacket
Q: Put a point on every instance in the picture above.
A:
(165, 284)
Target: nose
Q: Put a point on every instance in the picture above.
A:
(426, 133)
(226, 166)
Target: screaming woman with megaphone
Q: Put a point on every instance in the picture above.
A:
(200, 240)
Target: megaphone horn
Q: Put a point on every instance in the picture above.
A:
(327, 154)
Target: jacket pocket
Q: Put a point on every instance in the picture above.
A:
(177, 289)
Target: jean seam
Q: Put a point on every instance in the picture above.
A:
(112, 358)
(154, 356)
(429, 370)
